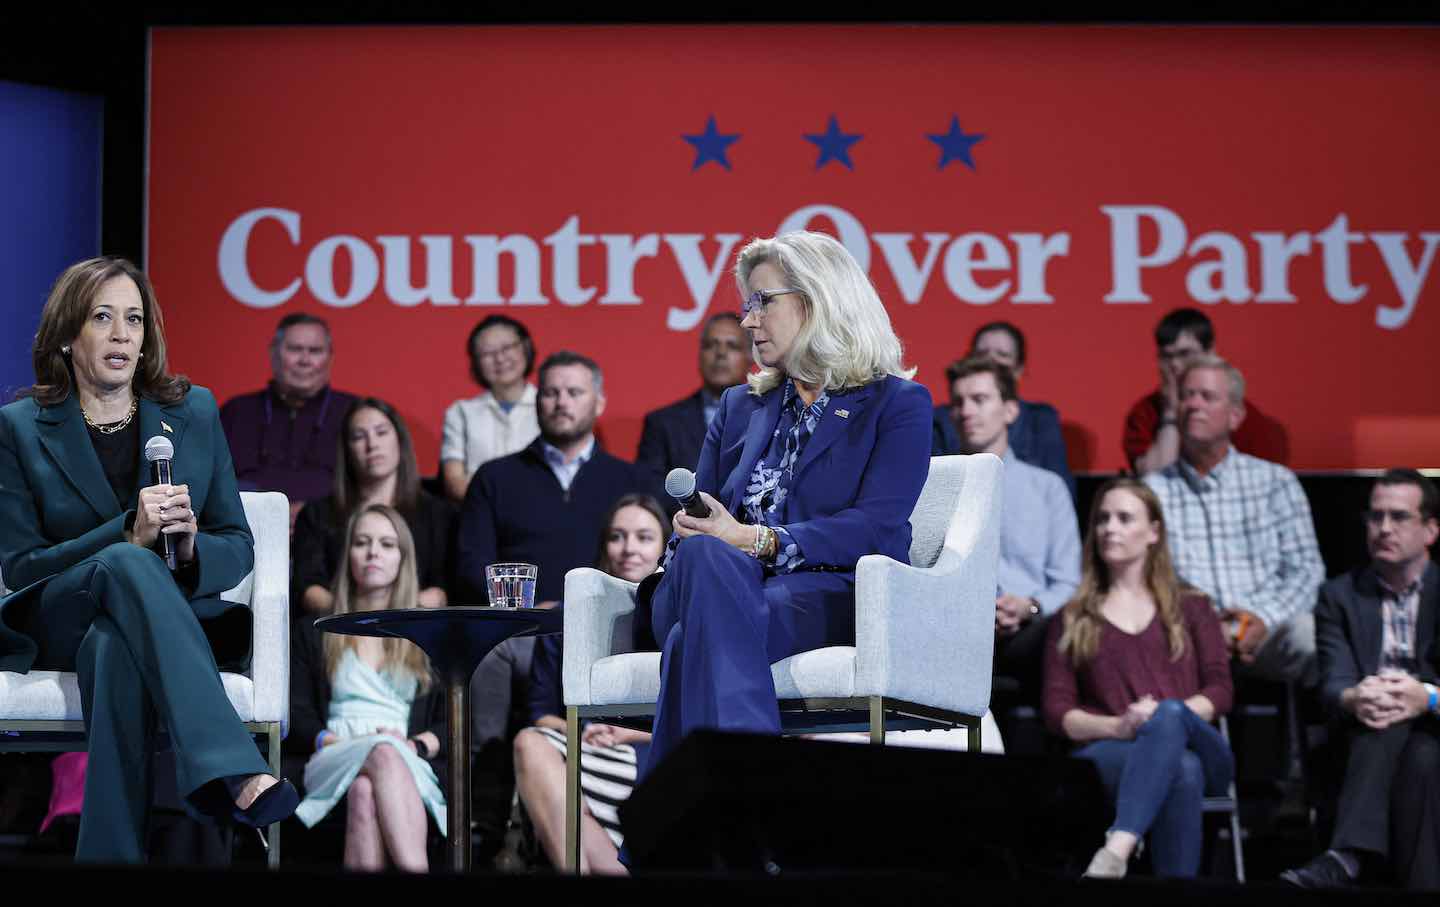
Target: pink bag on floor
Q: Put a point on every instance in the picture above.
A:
(67, 791)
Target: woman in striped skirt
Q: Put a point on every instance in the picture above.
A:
(630, 547)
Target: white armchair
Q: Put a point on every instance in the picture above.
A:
(924, 634)
(40, 711)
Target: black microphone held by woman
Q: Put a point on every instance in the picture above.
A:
(680, 485)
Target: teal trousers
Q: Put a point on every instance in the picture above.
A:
(119, 621)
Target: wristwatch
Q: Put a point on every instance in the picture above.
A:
(1034, 606)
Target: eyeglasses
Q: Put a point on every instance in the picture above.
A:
(758, 300)
(499, 351)
(1398, 518)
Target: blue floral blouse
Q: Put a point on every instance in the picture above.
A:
(769, 483)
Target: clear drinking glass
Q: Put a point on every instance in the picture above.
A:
(512, 585)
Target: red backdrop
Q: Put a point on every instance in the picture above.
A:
(1282, 179)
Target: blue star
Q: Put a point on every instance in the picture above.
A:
(955, 145)
(834, 145)
(710, 145)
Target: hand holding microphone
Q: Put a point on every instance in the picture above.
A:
(703, 515)
(164, 519)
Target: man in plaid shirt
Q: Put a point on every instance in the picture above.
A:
(1240, 529)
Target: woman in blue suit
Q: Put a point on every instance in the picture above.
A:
(80, 526)
(817, 463)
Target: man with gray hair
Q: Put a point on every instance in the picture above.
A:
(282, 438)
(1240, 529)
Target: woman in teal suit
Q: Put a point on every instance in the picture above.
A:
(817, 463)
(80, 525)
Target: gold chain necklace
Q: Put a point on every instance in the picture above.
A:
(113, 427)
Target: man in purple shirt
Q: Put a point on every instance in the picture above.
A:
(283, 438)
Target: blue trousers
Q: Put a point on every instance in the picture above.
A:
(1159, 779)
(721, 622)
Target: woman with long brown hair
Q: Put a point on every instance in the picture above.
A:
(367, 707)
(374, 464)
(1136, 670)
(118, 578)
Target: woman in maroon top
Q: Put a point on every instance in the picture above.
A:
(1135, 671)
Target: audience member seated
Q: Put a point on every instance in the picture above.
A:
(1039, 539)
(1375, 630)
(1135, 673)
(1152, 430)
(369, 709)
(499, 421)
(376, 466)
(630, 547)
(1240, 529)
(674, 434)
(1035, 434)
(283, 438)
(545, 504)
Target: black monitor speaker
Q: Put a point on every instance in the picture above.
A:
(751, 803)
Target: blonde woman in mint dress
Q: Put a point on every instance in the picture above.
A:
(367, 709)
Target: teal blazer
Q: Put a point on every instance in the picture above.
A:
(57, 509)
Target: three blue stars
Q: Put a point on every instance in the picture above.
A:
(955, 145)
(834, 145)
(710, 145)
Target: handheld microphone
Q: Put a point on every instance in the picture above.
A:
(159, 452)
(680, 485)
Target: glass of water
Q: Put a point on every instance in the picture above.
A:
(512, 585)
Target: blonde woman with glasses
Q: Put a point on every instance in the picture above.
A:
(817, 463)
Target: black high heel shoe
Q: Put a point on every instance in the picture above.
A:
(275, 803)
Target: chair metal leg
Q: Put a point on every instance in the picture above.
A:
(1235, 842)
(972, 737)
(877, 720)
(572, 789)
(273, 837)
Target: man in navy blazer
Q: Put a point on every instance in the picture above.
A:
(674, 434)
(1375, 631)
(818, 462)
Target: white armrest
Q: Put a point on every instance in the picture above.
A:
(269, 516)
(927, 635)
(598, 623)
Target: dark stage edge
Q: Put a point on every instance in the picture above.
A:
(676, 890)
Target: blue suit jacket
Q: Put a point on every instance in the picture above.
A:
(57, 509)
(858, 479)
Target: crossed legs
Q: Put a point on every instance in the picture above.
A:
(540, 778)
(141, 658)
(385, 818)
